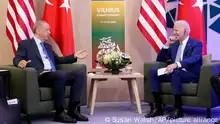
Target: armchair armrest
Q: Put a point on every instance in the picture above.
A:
(204, 86)
(24, 86)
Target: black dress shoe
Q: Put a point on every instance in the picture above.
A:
(64, 118)
(176, 114)
(217, 122)
(155, 112)
(76, 115)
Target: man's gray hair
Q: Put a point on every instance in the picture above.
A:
(185, 23)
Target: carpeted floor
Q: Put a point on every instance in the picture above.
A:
(124, 112)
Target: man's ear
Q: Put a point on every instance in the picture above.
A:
(37, 30)
(185, 31)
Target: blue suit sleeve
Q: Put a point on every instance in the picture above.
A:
(65, 59)
(163, 55)
(19, 55)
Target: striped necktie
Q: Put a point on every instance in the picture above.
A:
(179, 52)
(45, 50)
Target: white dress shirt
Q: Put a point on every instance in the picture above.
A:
(184, 42)
(43, 55)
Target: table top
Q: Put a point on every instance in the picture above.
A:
(121, 75)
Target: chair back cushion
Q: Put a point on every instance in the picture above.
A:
(207, 59)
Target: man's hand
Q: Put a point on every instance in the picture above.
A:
(171, 67)
(171, 40)
(81, 54)
(23, 63)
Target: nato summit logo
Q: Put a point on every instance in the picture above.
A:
(211, 14)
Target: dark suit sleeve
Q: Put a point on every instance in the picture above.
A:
(20, 54)
(195, 56)
(65, 59)
(163, 55)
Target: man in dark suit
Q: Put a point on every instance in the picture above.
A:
(185, 55)
(38, 54)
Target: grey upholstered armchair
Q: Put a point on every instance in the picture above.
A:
(35, 99)
(198, 94)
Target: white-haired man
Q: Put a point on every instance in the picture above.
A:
(185, 54)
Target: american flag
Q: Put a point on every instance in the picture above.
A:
(20, 20)
(152, 22)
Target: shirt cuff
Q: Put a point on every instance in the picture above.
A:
(165, 47)
(178, 64)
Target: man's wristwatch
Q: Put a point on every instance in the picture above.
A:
(176, 65)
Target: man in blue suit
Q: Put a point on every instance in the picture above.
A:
(38, 54)
(185, 54)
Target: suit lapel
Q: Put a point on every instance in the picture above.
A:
(188, 45)
(175, 49)
(35, 48)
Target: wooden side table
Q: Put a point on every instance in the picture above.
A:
(132, 86)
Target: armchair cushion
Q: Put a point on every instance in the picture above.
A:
(207, 59)
(189, 89)
(24, 86)
(194, 94)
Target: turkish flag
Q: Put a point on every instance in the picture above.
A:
(58, 15)
(192, 12)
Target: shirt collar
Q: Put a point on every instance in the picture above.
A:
(38, 41)
(185, 41)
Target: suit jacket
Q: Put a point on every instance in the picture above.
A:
(28, 50)
(192, 56)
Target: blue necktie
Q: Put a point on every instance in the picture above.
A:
(45, 50)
